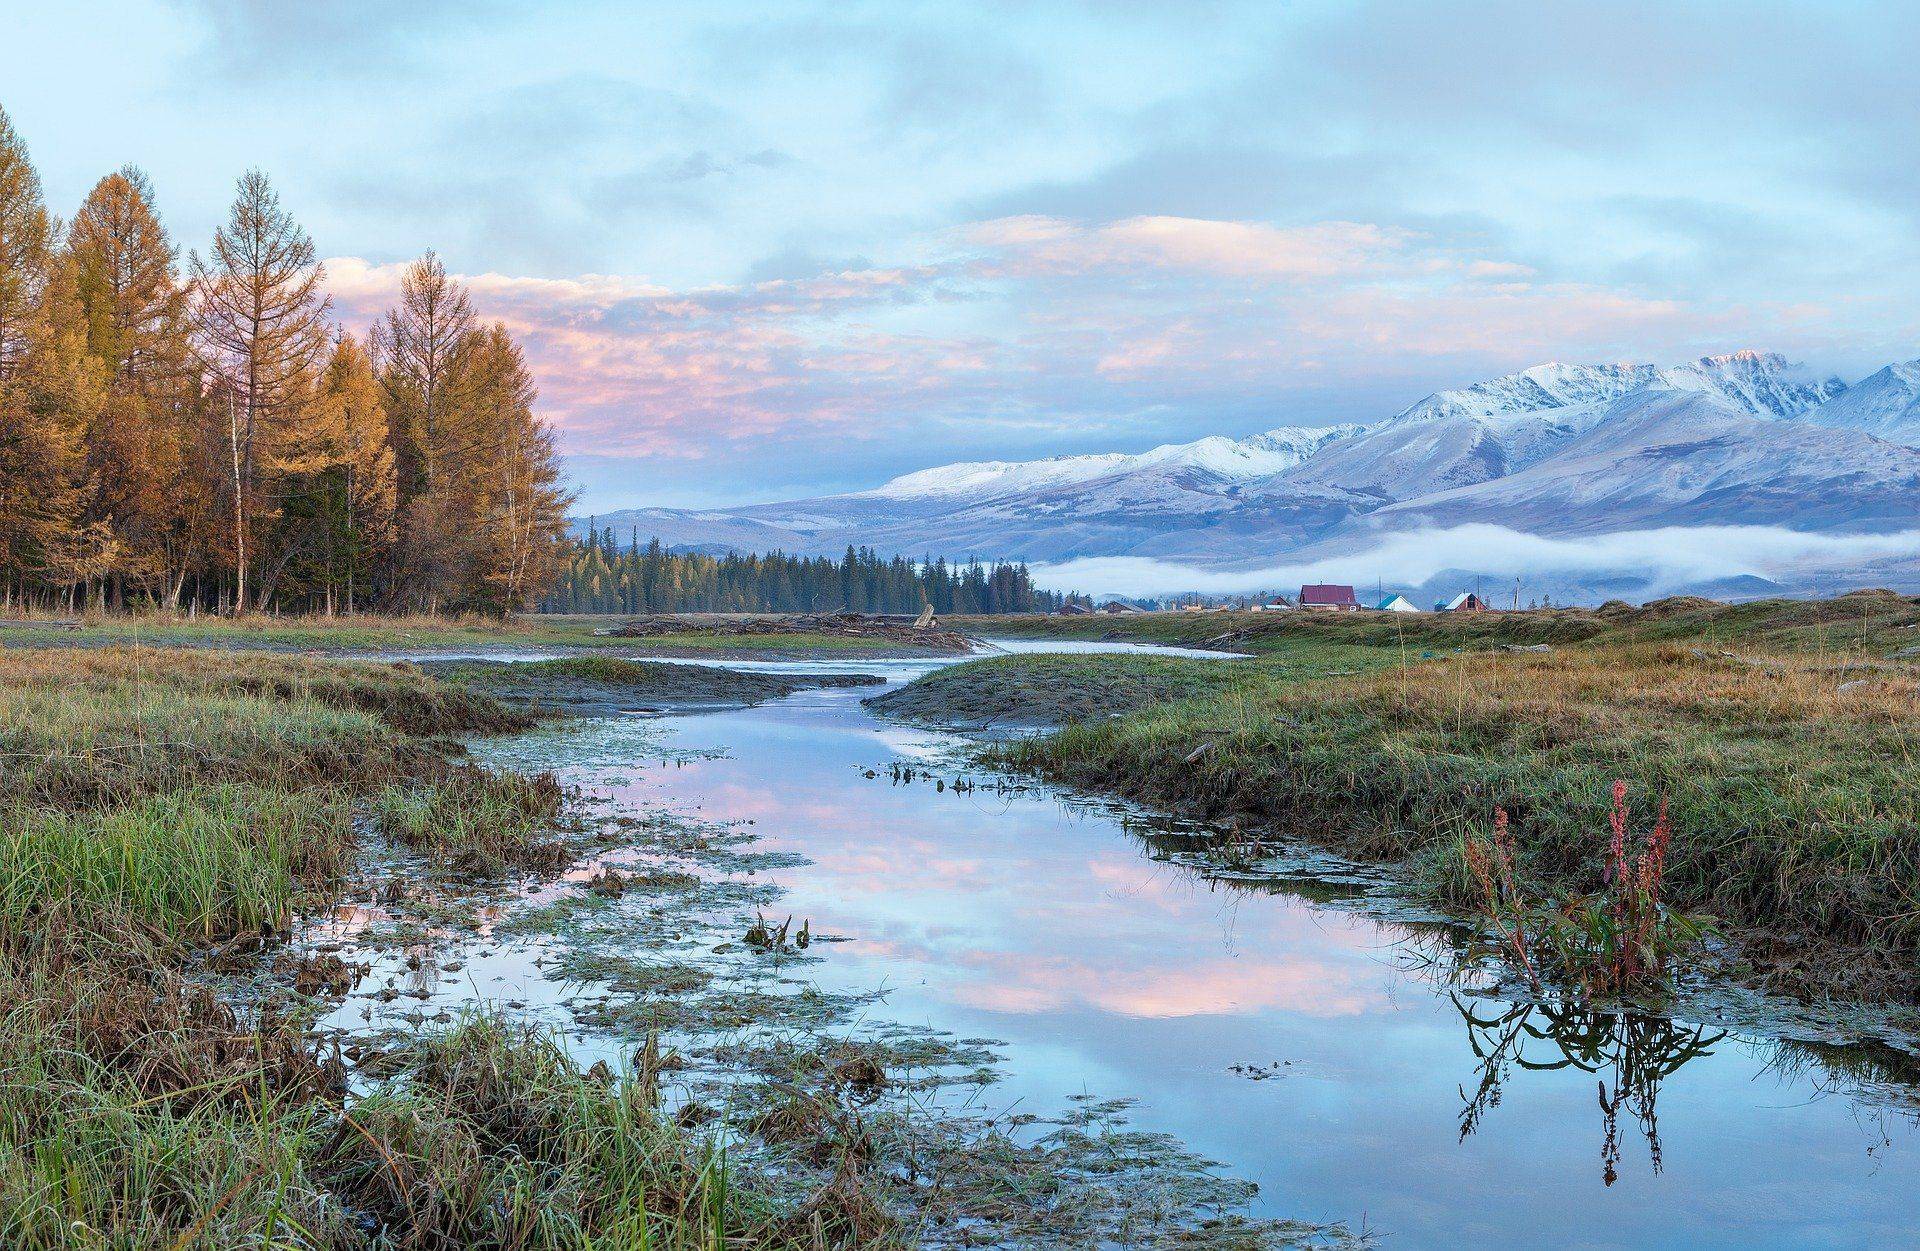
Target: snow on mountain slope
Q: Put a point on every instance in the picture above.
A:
(1501, 426)
(1886, 404)
(1444, 447)
(1763, 383)
(1258, 456)
(1669, 457)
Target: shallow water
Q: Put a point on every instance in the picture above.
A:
(1300, 1044)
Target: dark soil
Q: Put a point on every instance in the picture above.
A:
(589, 685)
(836, 625)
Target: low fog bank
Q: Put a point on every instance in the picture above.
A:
(1727, 562)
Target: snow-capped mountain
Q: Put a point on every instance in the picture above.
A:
(1763, 383)
(1676, 458)
(1261, 455)
(1741, 439)
(1886, 404)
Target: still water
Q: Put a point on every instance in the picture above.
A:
(1299, 1043)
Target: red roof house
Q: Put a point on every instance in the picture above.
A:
(1328, 598)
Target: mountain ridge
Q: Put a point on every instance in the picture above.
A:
(1739, 438)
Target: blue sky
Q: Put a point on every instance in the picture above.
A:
(761, 250)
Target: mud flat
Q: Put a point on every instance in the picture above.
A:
(808, 633)
(587, 685)
(1042, 690)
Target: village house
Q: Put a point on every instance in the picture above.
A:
(1328, 597)
(1395, 603)
(1466, 601)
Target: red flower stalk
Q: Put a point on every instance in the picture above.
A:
(1617, 850)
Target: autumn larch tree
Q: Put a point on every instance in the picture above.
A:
(26, 235)
(339, 525)
(512, 478)
(260, 329)
(123, 267)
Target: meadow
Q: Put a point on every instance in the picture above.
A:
(369, 632)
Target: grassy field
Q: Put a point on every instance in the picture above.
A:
(527, 631)
(1869, 622)
(1785, 737)
(165, 805)
(598, 684)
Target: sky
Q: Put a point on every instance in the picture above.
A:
(764, 251)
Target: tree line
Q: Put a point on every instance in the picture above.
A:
(204, 435)
(602, 574)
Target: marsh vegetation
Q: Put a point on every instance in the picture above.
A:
(1782, 737)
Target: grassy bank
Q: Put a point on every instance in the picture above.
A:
(597, 683)
(1784, 737)
(1058, 690)
(1868, 621)
(168, 806)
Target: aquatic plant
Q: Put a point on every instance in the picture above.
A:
(476, 818)
(1617, 941)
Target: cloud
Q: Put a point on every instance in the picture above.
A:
(1038, 329)
(1041, 245)
(353, 39)
(1667, 557)
(625, 365)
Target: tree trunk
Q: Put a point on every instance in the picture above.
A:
(239, 511)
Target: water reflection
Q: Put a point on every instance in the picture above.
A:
(1629, 1054)
(1256, 1015)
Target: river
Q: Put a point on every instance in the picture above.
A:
(1301, 1042)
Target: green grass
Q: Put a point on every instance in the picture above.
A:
(1868, 621)
(202, 862)
(135, 1113)
(80, 727)
(474, 818)
(597, 679)
(491, 1136)
(160, 800)
(426, 634)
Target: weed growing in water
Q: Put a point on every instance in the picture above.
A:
(1618, 941)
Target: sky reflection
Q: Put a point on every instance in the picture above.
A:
(1108, 971)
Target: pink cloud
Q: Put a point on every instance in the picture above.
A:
(1040, 321)
(1021, 982)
